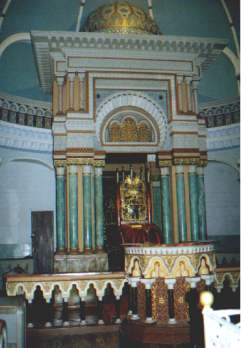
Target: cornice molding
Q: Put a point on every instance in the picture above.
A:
(223, 137)
(25, 138)
(202, 51)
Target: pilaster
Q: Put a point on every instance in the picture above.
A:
(166, 204)
(182, 224)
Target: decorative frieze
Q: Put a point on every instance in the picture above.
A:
(25, 138)
(165, 50)
(27, 284)
(186, 161)
(218, 114)
(223, 137)
(188, 260)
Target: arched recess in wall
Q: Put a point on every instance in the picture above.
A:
(26, 186)
(222, 199)
(27, 159)
(131, 100)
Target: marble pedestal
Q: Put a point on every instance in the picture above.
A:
(81, 263)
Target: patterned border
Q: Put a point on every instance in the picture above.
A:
(170, 250)
(25, 138)
(25, 112)
(221, 114)
(134, 99)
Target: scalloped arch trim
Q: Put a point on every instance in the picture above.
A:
(132, 99)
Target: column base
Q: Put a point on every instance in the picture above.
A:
(74, 252)
(61, 252)
(81, 263)
(150, 320)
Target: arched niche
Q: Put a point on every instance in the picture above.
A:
(130, 120)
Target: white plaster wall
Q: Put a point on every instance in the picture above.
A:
(222, 192)
(27, 183)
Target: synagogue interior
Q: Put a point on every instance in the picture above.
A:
(120, 173)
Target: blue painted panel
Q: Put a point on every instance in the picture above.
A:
(192, 18)
(218, 81)
(26, 15)
(18, 74)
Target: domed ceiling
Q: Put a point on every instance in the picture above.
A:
(202, 18)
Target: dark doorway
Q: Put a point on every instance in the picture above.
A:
(113, 240)
(42, 241)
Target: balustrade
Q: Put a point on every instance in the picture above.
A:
(64, 300)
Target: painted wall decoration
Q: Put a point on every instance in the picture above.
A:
(171, 262)
(129, 126)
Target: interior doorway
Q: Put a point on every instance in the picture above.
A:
(42, 241)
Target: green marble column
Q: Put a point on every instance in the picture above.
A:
(73, 208)
(93, 210)
(182, 225)
(87, 202)
(201, 205)
(99, 211)
(60, 209)
(193, 197)
(166, 205)
(156, 202)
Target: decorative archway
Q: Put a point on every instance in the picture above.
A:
(131, 99)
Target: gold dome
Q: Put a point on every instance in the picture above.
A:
(121, 17)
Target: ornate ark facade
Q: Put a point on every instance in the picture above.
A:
(122, 91)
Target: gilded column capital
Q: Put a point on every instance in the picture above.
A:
(79, 161)
(186, 161)
(165, 163)
(203, 162)
(59, 163)
(99, 163)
